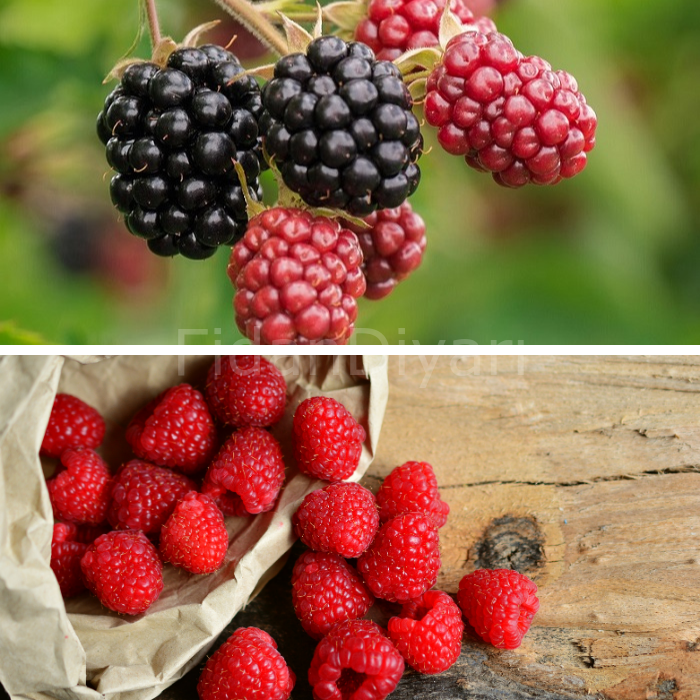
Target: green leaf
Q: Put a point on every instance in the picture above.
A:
(10, 334)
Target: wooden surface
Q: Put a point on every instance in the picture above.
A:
(584, 473)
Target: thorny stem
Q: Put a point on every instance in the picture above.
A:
(255, 22)
(153, 24)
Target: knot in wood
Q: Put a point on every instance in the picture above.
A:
(511, 542)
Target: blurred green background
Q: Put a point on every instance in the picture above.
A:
(612, 256)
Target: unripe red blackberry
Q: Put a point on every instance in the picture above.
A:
(509, 115)
(172, 135)
(297, 278)
(392, 247)
(339, 126)
(394, 26)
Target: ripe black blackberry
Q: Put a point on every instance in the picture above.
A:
(172, 134)
(339, 126)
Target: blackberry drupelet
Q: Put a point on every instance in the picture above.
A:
(339, 126)
(172, 135)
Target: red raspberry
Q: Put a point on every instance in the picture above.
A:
(246, 390)
(412, 488)
(404, 559)
(72, 424)
(65, 559)
(174, 430)
(342, 518)
(194, 536)
(65, 532)
(247, 474)
(144, 496)
(509, 115)
(428, 632)
(327, 439)
(124, 571)
(80, 492)
(394, 26)
(297, 278)
(247, 665)
(327, 590)
(355, 661)
(499, 604)
(392, 247)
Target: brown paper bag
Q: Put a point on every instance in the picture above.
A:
(79, 649)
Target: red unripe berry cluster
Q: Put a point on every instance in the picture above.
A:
(395, 26)
(297, 279)
(393, 245)
(507, 114)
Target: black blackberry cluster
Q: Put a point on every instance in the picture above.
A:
(339, 126)
(172, 135)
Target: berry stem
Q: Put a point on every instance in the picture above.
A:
(153, 23)
(256, 22)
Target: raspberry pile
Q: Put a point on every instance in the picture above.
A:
(159, 517)
(297, 279)
(508, 114)
(398, 562)
(394, 26)
(339, 126)
(116, 529)
(172, 134)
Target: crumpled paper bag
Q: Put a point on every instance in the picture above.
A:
(78, 649)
